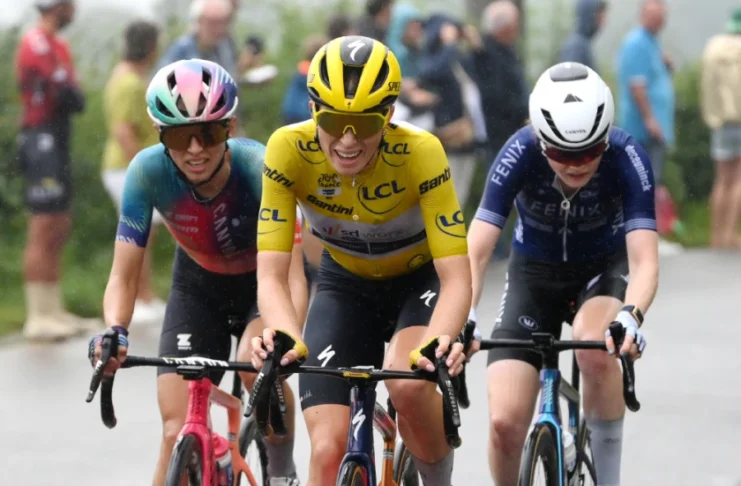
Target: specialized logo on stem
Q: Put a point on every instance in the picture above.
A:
(528, 322)
(329, 185)
(452, 224)
(376, 199)
(277, 176)
(332, 208)
(431, 184)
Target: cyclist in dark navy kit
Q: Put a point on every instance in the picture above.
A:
(207, 186)
(585, 240)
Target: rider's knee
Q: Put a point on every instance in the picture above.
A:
(170, 430)
(593, 363)
(406, 395)
(327, 452)
(507, 431)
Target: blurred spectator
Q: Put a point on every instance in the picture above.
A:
(129, 131)
(51, 95)
(441, 71)
(721, 109)
(646, 95)
(406, 39)
(339, 25)
(645, 87)
(376, 20)
(209, 38)
(500, 75)
(590, 17)
(295, 106)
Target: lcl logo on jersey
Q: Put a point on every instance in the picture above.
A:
(310, 151)
(329, 185)
(453, 225)
(271, 215)
(396, 149)
(379, 199)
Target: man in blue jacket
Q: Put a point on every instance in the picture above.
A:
(590, 16)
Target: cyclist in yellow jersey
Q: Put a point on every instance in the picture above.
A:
(379, 197)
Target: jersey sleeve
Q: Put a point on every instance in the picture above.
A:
(251, 156)
(505, 179)
(443, 218)
(635, 61)
(276, 225)
(136, 205)
(637, 181)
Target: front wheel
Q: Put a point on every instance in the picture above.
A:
(540, 459)
(353, 474)
(186, 463)
(252, 448)
(586, 474)
(405, 471)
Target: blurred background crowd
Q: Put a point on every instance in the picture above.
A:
(69, 124)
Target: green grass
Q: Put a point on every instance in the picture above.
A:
(695, 217)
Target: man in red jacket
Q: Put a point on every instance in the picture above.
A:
(50, 94)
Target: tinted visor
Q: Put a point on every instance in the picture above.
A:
(363, 125)
(206, 134)
(574, 157)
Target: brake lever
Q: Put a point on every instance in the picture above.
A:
(106, 353)
(451, 411)
(629, 390)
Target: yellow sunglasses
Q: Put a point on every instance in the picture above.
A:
(363, 125)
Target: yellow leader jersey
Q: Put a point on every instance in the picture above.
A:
(396, 215)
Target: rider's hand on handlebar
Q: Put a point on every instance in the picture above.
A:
(262, 345)
(95, 350)
(634, 344)
(455, 357)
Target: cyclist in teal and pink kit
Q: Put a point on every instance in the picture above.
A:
(208, 188)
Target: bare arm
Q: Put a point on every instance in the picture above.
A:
(120, 293)
(482, 239)
(274, 292)
(297, 283)
(126, 137)
(643, 262)
(638, 90)
(452, 305)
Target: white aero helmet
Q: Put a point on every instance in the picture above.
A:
(571, 107)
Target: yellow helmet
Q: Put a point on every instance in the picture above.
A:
(354, 74)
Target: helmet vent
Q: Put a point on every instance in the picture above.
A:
(206, 78)
(382, 76)
(220, 103)
(171, 82)
(180, 103)
(323, 72)
(351, 76)
(162, 108)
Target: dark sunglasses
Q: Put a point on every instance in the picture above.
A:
(206, 134)
(363, 125)
(574, 157)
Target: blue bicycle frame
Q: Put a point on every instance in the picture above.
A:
(360, 434)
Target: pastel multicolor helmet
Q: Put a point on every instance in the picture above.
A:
(192, 91)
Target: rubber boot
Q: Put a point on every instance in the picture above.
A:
(41, 323)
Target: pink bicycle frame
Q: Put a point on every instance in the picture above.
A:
(198, 422)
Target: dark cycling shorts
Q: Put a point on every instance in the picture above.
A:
(541, 296)
(351, 319)
(46, 169)
(204, 311)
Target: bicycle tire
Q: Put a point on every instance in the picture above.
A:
(249, 435)
(186, 458)
(353, 474)
(405, 471)
(584, 459)
(541, 445)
